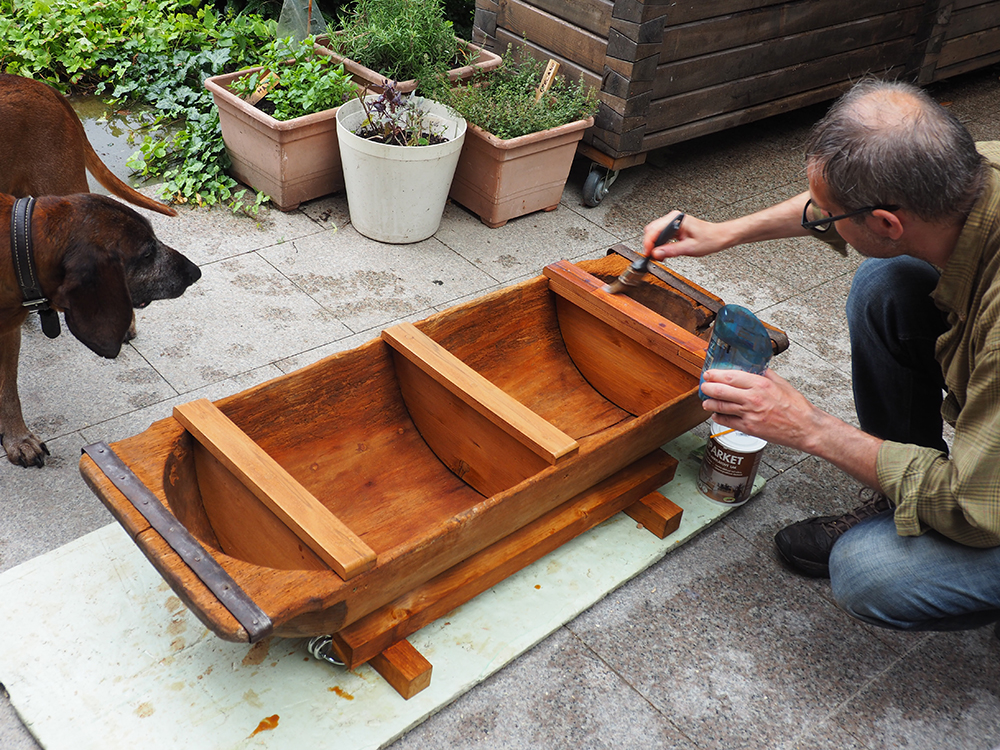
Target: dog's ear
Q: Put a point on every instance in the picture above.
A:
(95, 299)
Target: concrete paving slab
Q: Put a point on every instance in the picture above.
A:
(765, 662)
(524, 245)
(242, 314)
(364, 284)
(65, 387)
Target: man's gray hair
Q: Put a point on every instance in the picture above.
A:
(890, 143)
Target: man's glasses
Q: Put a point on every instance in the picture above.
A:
(822, 225)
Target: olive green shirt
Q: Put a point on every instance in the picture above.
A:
(959, 496)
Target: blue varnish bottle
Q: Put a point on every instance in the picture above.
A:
(739, 342)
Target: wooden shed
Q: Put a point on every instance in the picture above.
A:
(671, 70)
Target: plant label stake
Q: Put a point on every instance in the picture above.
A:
(268, 82)
(547, 78)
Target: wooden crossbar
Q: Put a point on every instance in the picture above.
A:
(493, 403)
(624, 314)
(318, 528)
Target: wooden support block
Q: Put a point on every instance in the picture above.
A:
(279, 491)
(658, 514)
(507, 413)
(403, 667)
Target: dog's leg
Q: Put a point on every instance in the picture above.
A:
(21, 446)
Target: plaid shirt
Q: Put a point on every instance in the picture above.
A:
(959, 496)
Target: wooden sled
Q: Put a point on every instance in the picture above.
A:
(368, 493)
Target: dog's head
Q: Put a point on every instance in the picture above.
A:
(112, 263)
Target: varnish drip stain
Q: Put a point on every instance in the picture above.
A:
(266, 724)
(341, 692)
(257, 653)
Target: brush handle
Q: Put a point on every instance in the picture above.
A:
(669, 231)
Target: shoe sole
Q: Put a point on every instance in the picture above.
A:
(806, 567)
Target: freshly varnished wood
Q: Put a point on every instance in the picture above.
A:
(341, 429)
(360, 641)
(655, 333)
(659, 515)
(403, 667)
(484, 397)
(282, 495)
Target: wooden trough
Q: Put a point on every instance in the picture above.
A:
(375, 490)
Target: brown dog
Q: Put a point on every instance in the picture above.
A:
(97, 260)
(44, 149)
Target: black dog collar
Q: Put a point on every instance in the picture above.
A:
(24, 266)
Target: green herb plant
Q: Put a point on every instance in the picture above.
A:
(502, 102)
(399, 39)
(308, 82)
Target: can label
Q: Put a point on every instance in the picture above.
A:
(727, 475)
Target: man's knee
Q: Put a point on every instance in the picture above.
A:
(865, 581)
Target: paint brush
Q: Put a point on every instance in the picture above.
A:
(633, 275)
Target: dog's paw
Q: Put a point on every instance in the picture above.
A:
(26, 451)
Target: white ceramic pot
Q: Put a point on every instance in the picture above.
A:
(397, 194)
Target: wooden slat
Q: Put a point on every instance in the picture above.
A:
(980, 44)
(592, 15)
(660, 516)
(479, 393)
(974, 19)
(569, 69)
(311, 522)
(774, 84)
(627, 316)
(403, 667)
(524, 21)
(702, 71)
(684, 38)
(687, 131)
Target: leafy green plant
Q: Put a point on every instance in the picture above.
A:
(399, 39)
(502, 102)
(308, 82)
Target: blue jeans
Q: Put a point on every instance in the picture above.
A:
(906, 583)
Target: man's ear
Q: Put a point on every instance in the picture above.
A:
(95, 300)
(887, 224)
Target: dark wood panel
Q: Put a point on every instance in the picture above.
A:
(741, 29)
(690, 130)
(971, 20)
(967, 66)
(969, 47)
(567, 68)
(709, 70)
(582, 47)
(747, 92)
(592, 15)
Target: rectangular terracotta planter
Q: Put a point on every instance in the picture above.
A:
(291, 161)
(364, 76)
(501, 179)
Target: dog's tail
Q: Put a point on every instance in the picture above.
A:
(107, 178)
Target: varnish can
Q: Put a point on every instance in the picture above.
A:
(730, 465)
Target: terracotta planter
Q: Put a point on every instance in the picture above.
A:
(501, 179)
(289, 160)
(363, 76)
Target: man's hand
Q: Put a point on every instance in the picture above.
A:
(695, 237)
(768, 407)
